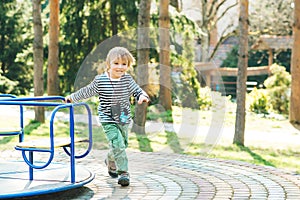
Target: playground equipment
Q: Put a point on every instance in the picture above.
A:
(12, 174)
(14, 132)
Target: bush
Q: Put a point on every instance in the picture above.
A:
(275, 98)
(257, 101)
(205, 98)
(277, 87)
(186, 97)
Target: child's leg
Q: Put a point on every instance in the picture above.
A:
(118, 141)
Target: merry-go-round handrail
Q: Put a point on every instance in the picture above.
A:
(20, 132)
(35, 101)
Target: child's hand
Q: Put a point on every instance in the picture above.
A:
(68, 99)
(143, 98)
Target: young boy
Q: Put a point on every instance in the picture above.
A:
(114, 88)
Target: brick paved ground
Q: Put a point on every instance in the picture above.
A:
(172, 176)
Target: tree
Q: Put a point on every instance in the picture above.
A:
(190, 86)
(84, 25)
(142, 63)
(121, 7)
(242, 74)
(212, 12)
(294, 116)
(113, 16)
(38, 57)
(15, 39)
(165, 98)
(52, 78)
(272, 17)
(74, 46)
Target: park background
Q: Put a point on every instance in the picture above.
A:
(44, 44)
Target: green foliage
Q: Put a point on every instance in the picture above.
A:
(173, 142)
(75, 45)
(280, 158)
(256, 58)
(275, 98)
(283, 58)
(181, 24)
(15, 37)
(231, 59)
(156, 114)
(5, 140)
(279, 78)
(144, 143)
(205, 98)
(33, 125)
(86, 24)
(257, 101)
(189, 86)
(277, 87)
(6, 85)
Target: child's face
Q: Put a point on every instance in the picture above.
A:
(118, 67)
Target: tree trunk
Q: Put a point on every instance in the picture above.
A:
(38, 57)
(114, 17)
(53, 80)
(205, 35)
(142, 61)
(164, 56)
(242, 74)
(205, 44)
(295, 70)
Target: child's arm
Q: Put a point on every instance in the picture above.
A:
(83, 93)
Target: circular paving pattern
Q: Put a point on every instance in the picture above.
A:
(172, 176)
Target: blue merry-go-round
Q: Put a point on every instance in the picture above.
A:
(32, 177)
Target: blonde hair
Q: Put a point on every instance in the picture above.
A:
(119, 53)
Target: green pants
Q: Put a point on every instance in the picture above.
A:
(117, 136)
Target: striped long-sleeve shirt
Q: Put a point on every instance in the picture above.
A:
(111, 92)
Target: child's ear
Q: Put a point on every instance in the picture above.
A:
(107, 65)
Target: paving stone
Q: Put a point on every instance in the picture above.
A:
(171, 176)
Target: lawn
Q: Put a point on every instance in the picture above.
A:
(269, 140)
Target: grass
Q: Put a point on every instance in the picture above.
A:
(260, 149)
(287, 159)
(257, 150)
